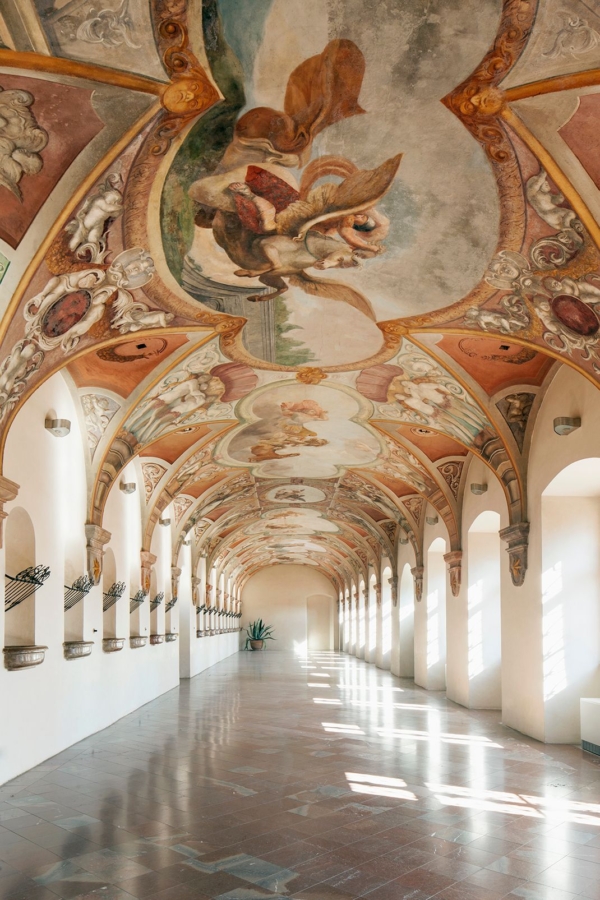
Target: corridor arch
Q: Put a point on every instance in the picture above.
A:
(570, 602)
(430, 621)
(484, 612)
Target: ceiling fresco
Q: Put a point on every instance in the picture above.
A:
(301, 275)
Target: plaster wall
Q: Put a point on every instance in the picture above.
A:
(526, 706)
(570, 611)
(282, 596)
(48, 708)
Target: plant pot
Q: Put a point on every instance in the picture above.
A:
(257, 645)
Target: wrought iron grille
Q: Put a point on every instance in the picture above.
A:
(154, 604)
(137, 600)
(20, 587)
(78, 590)
(113, 594)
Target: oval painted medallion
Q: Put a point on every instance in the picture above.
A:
(66, 313)
(576, 315)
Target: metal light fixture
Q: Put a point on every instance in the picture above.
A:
(128, 487)
(565, 425)
(164, 521)
(478, 488)
(431, 520)
(58, 427)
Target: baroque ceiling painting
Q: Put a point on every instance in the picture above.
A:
(299, 263)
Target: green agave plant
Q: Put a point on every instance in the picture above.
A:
(258, 631)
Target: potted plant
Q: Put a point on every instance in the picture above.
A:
(258, 633)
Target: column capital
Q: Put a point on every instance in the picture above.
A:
(8, 491)
(148, 561)
(95, 537)
(517, 538)
(454, 562)
(393, 583)
(175, 576)
(417, 574)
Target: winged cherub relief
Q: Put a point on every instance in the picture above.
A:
(273, 228)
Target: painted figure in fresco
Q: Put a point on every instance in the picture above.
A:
(198, 390)
(21, 140)
(438, 405)
(292, 431)
(271, 227)
(88, 226)
(294, 496)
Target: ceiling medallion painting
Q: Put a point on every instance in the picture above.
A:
(301, 276)
(297, 175)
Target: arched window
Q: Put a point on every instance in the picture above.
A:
(19, 541)
(483, 610)
(109, 578)
(430, 622)
(406, 614)
(570, 596)
(386, 619)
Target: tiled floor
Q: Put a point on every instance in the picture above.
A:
(271, 776)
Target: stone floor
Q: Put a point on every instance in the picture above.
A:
(273, 776)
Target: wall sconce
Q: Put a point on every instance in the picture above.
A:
(564, 425)
(128, 487)
(164, 521)
(478, 488)
(431, 520)
(58, 427)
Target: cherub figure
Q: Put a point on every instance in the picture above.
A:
(89, 224)
(273, 228)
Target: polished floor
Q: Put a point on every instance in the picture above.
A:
(272, 776)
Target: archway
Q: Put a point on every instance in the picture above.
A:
(384, 656)
(371, 621)
(19, 622)
(360, 650)
(109, 578)
(570, 596)
(430, 622)
(484, 612)
(405, 663)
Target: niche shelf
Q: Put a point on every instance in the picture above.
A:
(157, 638)
(154, 604)
(78, 590)
(111, 645)
(77, 649)
(137, 600)
(20, 587)
(24, 657)
(114, 593)
(138, 641)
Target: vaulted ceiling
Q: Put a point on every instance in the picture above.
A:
(303, 259)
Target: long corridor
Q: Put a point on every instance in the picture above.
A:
(321, 778)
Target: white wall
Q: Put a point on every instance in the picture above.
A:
(280, 596)
(50, 707)
(571, 610)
